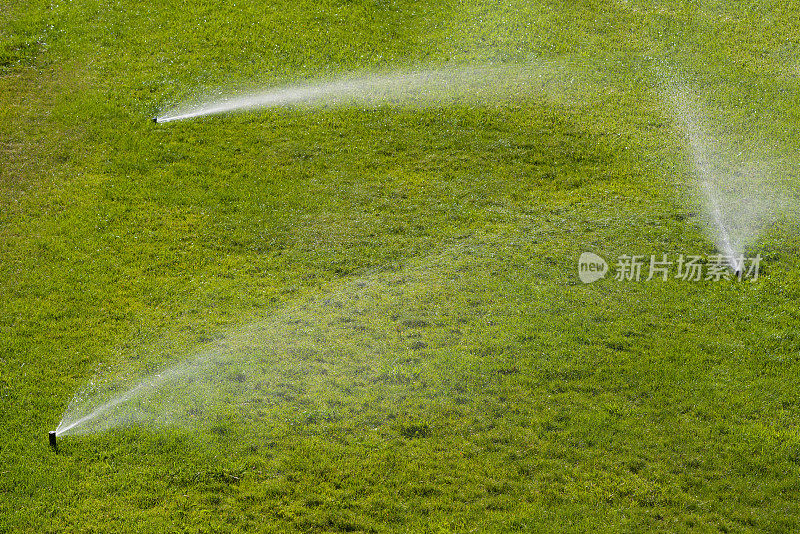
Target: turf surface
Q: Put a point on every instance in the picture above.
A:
(516, 398)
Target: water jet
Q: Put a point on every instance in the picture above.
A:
(426, 87)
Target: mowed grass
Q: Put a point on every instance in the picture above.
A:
(552, 405)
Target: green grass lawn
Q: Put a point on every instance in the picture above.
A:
(409, 347)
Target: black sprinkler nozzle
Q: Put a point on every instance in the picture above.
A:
(155, 119)
(53, 442)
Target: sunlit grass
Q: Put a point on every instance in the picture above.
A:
(506, 395)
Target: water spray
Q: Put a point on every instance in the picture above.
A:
(427, 87)
(325, 354)
(724, 237)
(708, 174)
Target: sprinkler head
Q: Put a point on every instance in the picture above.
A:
(737, 268)
(53, 442)
(155, 119)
